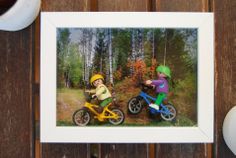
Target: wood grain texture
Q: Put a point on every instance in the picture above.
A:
(37, 51)
(66, 5)
(64, 151)
(124, 150)
(17, 87)
(225, 69)
(123, 5)
(16, 126)
(182, 150)
(182, 5)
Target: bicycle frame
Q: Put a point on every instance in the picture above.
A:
(147, 98)
(102, 116)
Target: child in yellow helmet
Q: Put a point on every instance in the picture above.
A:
(101, 92)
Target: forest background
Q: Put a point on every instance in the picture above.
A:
(126, 57)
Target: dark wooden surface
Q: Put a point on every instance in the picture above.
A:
(182, 150)
(19, 74)
(225, 69)
(16, 114)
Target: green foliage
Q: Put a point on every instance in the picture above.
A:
(186, 95)
(100, 52)
(62, 49)
(122, 49)
(148, 53)
(185, 121)
(69, 63)
(177, 46)
(74, 65)
(65, 123)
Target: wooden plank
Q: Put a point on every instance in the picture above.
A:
(36, 89)
(16, 126)
(37, 51)
(124, 150)
(225, 69)
(151, 150)
(123, 5)
(62, 150)
(182, 5)
(94, 5)
(182, 150)
(66, 5)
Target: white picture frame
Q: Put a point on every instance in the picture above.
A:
(202, 133)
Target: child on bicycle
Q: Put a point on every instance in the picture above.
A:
(101, 92)
(161, 85)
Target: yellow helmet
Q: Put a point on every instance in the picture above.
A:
(96, 77)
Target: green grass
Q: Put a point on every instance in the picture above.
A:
(70, 100)
(65, 123)
(180, 121)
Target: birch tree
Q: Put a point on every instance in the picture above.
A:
(133, 52)
(63, 41)
(110, 56)
(100, 52)
(86, 48)
(140, 45)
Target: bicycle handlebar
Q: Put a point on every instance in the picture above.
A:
(146, 87)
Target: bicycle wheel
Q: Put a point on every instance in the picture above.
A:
(120, 119)
(168, 112)
(134, 105)
(81, 117)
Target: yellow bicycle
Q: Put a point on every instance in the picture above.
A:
(83, 116)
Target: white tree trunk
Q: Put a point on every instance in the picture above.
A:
(110, 56)
(141, 44)
(107, 63)
(85, 56)
(133, 53)
(153, 45)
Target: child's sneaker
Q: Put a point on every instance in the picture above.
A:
(154, 106)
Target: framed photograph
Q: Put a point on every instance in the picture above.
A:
(127, 77)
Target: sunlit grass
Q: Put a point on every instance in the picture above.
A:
(180, 121)
(70, 100)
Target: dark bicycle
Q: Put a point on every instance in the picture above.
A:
(136, 104)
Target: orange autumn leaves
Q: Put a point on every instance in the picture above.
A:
(139, 71)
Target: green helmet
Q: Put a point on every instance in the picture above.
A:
(164, 69)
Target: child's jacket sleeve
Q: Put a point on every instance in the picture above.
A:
(100, 90)
(92, 91)
(161, 85)
(157, 82)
